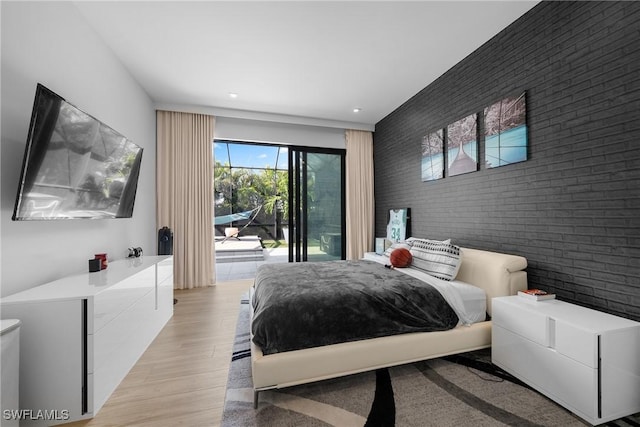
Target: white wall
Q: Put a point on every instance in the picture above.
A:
(253, 126)
(51, 43)
(281, 133)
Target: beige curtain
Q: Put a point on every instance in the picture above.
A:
(360, 201)
(185, 194)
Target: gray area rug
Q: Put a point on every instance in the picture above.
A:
(463, 390)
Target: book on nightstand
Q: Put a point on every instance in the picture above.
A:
(536, 295)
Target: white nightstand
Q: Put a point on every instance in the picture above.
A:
(585, 360)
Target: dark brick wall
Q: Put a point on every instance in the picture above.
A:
(573, 208)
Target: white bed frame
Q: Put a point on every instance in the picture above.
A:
(498, 274)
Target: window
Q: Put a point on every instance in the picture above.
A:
(248, 176)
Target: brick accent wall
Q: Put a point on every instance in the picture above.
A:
(573, 208)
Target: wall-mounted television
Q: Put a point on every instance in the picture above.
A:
(74, 165)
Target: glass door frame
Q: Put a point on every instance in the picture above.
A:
(298, 205)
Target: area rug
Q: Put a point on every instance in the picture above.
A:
(462, 390)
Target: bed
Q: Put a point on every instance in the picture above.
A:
(495, 274)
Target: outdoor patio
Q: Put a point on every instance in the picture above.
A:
(239, 258)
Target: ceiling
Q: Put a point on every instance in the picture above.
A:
(298, 59)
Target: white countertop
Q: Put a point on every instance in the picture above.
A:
(85, 285)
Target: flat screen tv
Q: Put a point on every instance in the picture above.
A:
(74, 165)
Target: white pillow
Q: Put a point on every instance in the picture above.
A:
(439, 259)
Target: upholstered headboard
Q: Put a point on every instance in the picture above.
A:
(497, 273)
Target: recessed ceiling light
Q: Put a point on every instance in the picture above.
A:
(357, 110)
(233, 95)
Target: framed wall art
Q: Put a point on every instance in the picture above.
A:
(433, 156)
(505, 131)
(462, 146)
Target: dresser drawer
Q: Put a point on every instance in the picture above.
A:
(529, 320)
(574, 342)
(165, 271)
(528, 324)
(568, 382)
(119, 344)
(114, 300)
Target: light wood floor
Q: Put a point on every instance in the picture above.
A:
(181, 378)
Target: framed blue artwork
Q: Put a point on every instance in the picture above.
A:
(462, 146)
(505, 132)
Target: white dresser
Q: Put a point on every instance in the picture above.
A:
(80, 335)
(585, 360)
(9, 368)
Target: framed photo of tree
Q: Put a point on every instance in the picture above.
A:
(462, 146)
(505, 131)
(433, 156)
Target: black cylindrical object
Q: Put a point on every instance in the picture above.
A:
(165, 241)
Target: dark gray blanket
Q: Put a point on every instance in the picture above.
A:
(303, 305)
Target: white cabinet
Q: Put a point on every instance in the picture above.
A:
(81, 335)
(9, 367)
(585, 360)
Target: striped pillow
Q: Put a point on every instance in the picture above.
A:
(439, 259)
(412, 240)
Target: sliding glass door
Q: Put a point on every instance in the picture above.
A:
(290, 198)
(317, 204)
